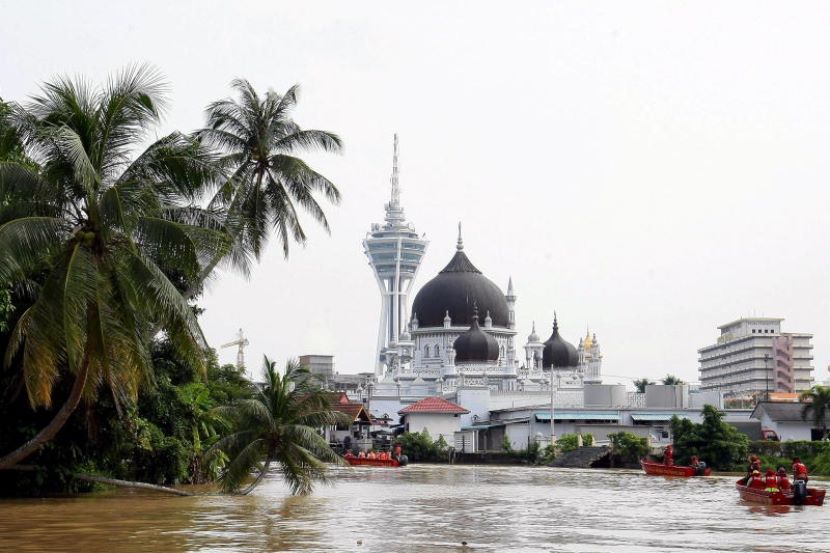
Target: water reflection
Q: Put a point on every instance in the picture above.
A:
(425, 509)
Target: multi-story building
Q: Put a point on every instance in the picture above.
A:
(753, 357)
(319, 365)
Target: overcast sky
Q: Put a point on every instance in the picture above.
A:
(648, 169)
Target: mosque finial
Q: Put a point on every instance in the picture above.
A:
(510, 286)
(396, 191)
(555, 322)
(460, 245)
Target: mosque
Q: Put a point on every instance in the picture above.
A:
(462, 330)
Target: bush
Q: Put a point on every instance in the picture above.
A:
(568, 442)
(419, 446)
(628, 447)
(717, 443)
(587, 440)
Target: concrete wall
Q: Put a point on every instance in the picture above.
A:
(475, 399)
(605, 395)
(436, 424)
(667, 397)
(518, 434)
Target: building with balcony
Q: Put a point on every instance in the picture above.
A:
(752, 357)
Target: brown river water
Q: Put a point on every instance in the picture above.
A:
(426, 509)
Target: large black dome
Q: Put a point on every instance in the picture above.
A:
(475, 345)
(559, 353)
(457, 289)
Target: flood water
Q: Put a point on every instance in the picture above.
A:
(426, 509)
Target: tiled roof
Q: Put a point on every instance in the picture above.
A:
(434, 405)
(354, 410)
(783, 412)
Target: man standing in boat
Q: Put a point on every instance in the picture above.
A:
(668, 456)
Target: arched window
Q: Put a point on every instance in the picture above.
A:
(501, 354)
(426, 351)
(437, 351)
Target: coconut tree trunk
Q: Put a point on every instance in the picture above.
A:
(130, 484)
(259, 478)
(51, 429)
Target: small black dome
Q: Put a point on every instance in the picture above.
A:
(558, 353)
(455, 290)
(475, 345)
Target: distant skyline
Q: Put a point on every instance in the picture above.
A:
(649, 170)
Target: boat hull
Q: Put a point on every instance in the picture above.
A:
(391, 463)
(815, 496)
(659, 469)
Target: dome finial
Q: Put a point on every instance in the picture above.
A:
(555, 321)
(460, 245)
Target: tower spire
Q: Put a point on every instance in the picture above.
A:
(460, 245)
(396, 190)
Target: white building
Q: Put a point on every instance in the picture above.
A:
(752, 357)
(319, 365)
(439, 417)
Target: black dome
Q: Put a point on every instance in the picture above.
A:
(558, 353)
(457, 289)
(475, 345)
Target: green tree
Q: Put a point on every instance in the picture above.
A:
(641, 383)
(816, 405)
(628, 447)
(718, 443)
(670, 380)
(95, 232)
(268, 182)
(279, 425)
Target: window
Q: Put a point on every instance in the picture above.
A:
(426, 351)
(437, 351)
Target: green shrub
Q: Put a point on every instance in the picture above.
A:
(419, 446)
(717, 443)
(568, 442)
(628, 447)
(587, 440)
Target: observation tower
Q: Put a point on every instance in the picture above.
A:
(395, 252)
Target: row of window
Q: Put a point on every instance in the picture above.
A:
(437, 350)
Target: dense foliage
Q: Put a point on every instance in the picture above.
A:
(815, 454)
(106, 232)
(714, 441)
(628, 448)
(157, 439)
(420, 447)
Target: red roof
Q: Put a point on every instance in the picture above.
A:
(433, 405)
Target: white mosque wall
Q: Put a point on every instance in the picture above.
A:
(605, 395)
(379, 407)
(667, 396)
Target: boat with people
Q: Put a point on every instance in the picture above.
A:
(653, 468)
(813, 496)
(363, 462)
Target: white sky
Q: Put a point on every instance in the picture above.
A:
(651, 169)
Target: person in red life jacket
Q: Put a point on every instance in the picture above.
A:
(668, 456)
(371, 455)
(771, 481)
(383, 456)
(349, 455)
(361, 455)
(396, 453)
(755, 480)
(783, 481)
(799, 470)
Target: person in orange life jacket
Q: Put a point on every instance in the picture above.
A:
(348, 455)
(771, 481)
(799, 470)
(668, 456)
(371, 455)
(361, 455)
(755, 480)
(783, 481)
(754, 464)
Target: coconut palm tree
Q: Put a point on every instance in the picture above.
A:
(671, 380)
(268, 183)
(817, 403)
(280, 425)
(94, 234)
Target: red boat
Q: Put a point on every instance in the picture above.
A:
(815, 496)
(354, 461)
(659, 469)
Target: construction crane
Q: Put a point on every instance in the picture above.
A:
(240, 342)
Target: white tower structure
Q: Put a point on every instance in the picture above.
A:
(240, 343)
(395, 251)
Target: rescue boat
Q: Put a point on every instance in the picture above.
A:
(659, 469)
(356, 462)
(815, 496)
